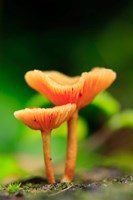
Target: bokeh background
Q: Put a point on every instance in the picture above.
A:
(72, 37)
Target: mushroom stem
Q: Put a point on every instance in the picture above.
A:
(71, 149)
(47, 157)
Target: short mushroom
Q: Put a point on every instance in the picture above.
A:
(80, 90)
(45, 120)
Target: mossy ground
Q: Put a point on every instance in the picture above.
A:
(116, 186)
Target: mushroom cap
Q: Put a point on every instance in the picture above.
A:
(62, 89)
(45, 119)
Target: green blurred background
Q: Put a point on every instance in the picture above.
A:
(72, 37)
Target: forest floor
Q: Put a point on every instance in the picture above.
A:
(100, 184)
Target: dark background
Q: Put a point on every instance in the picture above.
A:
(69, 36)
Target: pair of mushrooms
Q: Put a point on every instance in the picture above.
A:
(69, 94)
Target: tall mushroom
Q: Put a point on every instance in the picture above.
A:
(45, 120)
(62, 89)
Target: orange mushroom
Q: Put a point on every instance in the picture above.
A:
(80, 90)
(45, 120)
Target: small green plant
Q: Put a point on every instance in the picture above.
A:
(14, 187)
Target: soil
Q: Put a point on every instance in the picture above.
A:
(99, 184)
